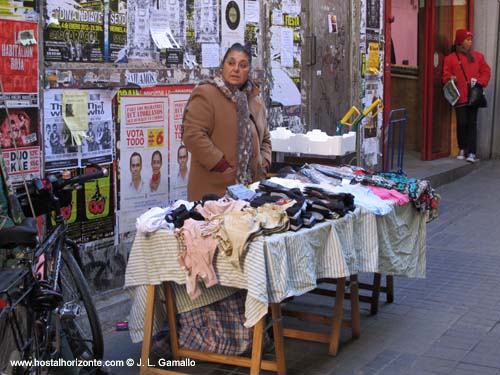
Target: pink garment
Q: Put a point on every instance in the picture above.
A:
(389, 194)
(211, 209)
(198, 257)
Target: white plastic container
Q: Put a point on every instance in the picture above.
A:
(283, 140)
(348, 142)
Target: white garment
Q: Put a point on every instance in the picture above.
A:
(153, 219)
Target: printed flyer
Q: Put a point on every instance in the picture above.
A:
(143, 156)
(116, 40)
(18, 60)
(61, 150)
(74, 31)
(179, 156)
(90, 215)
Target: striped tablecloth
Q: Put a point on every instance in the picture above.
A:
(275, 267)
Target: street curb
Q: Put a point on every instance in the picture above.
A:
(445, 177)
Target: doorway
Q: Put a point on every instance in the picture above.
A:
(428, 28)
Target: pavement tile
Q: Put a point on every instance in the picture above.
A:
(468, 369)
(453, 354)
(434, 365)
(383, 359)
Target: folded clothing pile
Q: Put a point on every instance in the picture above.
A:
(331, 205)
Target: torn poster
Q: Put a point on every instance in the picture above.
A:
(160, 30)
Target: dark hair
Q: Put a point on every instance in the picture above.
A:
(238, 47)
(135, 154)
(153, 156)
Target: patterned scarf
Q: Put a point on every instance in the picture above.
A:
(244, 146)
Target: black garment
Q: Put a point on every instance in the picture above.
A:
(467, 128)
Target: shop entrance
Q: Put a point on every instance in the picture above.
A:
(422, 34)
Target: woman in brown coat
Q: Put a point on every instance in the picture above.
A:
(225, 129)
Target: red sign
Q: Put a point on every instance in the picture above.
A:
(18, 63)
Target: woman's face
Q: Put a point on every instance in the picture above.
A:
(156, 164)
(236, 68)
(467, 43)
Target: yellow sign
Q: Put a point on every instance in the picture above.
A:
(373, 58)
(156, 137)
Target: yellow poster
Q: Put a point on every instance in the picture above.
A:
(75, 113)
(373, 57)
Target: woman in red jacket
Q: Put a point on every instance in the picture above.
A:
(477, 72)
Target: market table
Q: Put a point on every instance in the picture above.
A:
(280, 266)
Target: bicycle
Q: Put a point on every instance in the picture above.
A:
(46, 311)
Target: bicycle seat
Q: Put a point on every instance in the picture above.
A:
(24, 234)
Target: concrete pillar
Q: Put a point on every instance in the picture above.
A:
(487, 41)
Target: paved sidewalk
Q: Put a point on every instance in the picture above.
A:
(447, 323)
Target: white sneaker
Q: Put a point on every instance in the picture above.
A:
(472, 158)
(461, 155)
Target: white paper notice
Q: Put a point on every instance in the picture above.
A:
(290, 7)
(277, 17)
(252, 11)
(284, 90)
(275, 42)
(210, 55)
(286, 47)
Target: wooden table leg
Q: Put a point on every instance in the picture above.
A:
(172, 322)
(389, 279)
(148, 332)
(375, 294)
(337, 317)
(279, 342)
(258, 334)
(355, 318)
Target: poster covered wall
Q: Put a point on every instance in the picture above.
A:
(19, 75)
(74, 31)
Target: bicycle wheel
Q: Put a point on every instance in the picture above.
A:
(79, 318)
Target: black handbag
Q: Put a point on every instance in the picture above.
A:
(476, 95)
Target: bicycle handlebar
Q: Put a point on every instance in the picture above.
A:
(59, 182)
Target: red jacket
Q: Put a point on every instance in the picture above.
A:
(479, 69)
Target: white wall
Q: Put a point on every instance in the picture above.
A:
(486, 40)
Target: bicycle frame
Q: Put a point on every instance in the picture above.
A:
(35, 291)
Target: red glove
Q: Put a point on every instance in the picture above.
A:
(221, 166)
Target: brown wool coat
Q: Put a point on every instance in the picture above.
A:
(211, 132)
